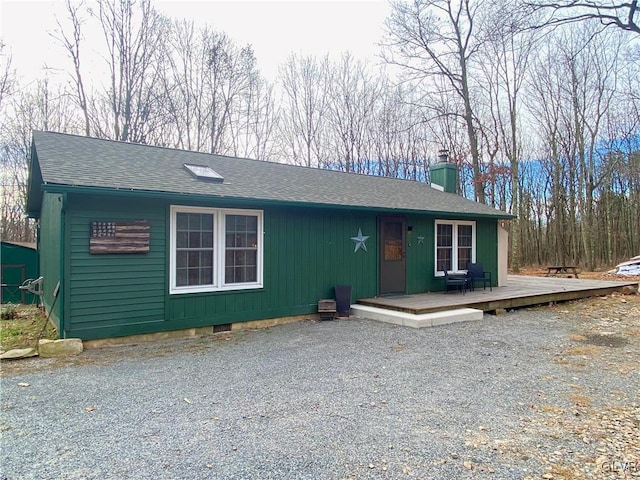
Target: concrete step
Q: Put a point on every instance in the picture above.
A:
(416, 321)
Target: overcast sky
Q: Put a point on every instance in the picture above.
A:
(273, 28)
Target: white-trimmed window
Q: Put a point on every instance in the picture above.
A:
(455, 246)
(215, 249)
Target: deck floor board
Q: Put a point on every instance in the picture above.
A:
(520, 291)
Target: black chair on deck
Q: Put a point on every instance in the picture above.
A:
(460, 282)
(476, 273)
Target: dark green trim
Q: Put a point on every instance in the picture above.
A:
(173, 197)
(38, 251)
(34, 183)
(167, 259)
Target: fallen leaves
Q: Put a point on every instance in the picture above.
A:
(600, 425)
(580, 400)
(609, 433)
(581, 350)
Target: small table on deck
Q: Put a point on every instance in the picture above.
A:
(561, 270)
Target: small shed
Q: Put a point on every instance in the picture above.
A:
(19, 263)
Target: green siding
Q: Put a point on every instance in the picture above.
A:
(487, 247)
(421, 258)
(50, 253)
(445, 175)
(420, 262)
(19, 263)
(114, 294)
(306, 253)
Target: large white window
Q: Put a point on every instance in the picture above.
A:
(215, 249)
(455, 246)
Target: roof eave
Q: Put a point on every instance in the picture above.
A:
(176, 196)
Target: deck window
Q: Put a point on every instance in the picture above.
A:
(215, 249)
(455, 246)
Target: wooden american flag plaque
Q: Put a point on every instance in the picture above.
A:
(119, 237)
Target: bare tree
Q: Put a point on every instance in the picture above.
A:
(230, 72)
(573, 97)
(400, 138)
(71, 42)
(353, 92)
(39, 108)
(510, 48)
(254, 120)
(440, 38)
(133, 33)
(7, 75)
(212, 97)
(183, 79)
(592, 75)
(304, 81)
(443, 118)
(545, 101)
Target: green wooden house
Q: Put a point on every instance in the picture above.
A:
(135, 239)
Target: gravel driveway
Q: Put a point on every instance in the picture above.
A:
(498, 398)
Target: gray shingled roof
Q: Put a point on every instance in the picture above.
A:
(70, 160)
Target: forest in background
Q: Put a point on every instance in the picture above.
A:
(539, 107)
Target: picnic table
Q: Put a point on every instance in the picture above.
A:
(561, 270)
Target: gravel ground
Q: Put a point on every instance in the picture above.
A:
(514, 396)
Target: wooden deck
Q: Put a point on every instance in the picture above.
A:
(521, 291)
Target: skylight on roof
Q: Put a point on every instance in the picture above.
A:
(204, 173)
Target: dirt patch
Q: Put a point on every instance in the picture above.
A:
(114, 354)
(605, 340)
(25, 328)
(605, 423)
(587, 275)
(589, 432)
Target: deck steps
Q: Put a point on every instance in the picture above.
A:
(423, 320)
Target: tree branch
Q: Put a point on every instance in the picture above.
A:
(621, 15)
